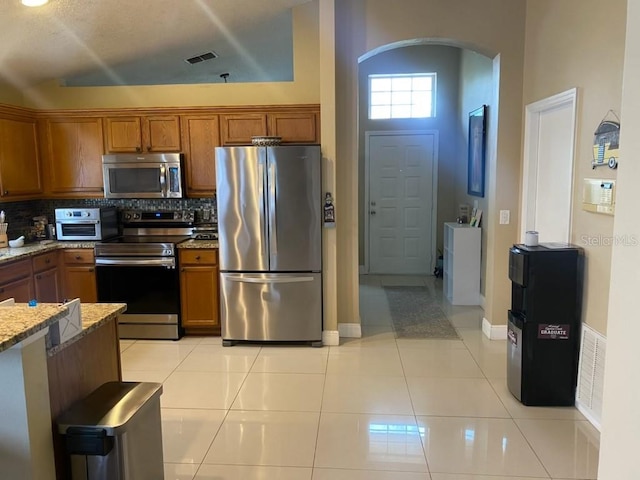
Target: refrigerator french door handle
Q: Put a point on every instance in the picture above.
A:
(273, 240)
(163, 180)
(279, 279)
(263, 223)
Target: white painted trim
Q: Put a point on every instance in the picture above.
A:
(330, 338)
(493, 332)
(434, 190)
(530, 165)
(350, 330)
(587, 413)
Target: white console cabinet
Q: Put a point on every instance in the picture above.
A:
(461, 275)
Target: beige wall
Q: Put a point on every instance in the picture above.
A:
(580, 43)
(476, 89)
(492, 27)
(445, 62)
(619, 441)
(305, 87)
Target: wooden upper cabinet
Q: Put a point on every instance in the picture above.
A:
(200, 137)
(19, 160)
(237, 129)
(153, 133)
(294, 127)
(74, 156)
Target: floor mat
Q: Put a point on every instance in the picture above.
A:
(416, 313)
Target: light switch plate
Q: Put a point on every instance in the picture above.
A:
(505, 217)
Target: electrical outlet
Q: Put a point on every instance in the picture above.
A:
(505, 217)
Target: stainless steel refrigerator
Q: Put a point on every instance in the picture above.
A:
(269, 227)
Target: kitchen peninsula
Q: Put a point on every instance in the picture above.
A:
(40, 381)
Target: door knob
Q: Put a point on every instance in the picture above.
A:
(373, 204)
(373, 212)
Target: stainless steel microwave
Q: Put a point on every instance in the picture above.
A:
(153, 175)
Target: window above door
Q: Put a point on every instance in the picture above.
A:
(407, 95)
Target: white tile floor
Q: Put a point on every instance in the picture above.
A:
(375, 408)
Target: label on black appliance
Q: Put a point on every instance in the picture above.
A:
(513, 338)
(553, 332)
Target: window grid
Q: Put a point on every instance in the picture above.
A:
(401, 96)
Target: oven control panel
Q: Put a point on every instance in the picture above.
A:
(158, 216)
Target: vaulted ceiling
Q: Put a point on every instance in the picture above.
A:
(146, 42)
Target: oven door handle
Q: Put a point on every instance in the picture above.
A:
(136, 262)
(78, 222)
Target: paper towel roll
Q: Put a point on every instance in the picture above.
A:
(531, 238)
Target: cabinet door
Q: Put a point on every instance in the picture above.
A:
(123, 134)
(47, 285)
(21, 290)
(80, 282)
(201, 135)
(199, 291)
(19, 162)
(162, 133)
(294, 127)
(238, 129)
(74, 156)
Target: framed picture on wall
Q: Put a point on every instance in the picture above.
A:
(477, 141)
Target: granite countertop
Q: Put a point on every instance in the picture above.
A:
(21, 321)
(198, 244)
(93, 315)
(31, 249)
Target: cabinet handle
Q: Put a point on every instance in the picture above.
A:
(6, 192)
(182, 269)
(48, 260)
(91, 269)
(78, 257)
(148, 148)
(138, 149)
(38, 277)
(197, 257)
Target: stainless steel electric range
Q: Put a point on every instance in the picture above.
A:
(139, 268)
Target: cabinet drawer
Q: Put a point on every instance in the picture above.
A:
(15, 270)
(78, 256)
(45, 261)
(199, 257)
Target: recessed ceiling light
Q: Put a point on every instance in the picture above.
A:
(34, 3)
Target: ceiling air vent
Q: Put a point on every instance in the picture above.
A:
(201, 58)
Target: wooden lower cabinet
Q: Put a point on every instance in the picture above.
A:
(16, 281)
(199, 295)
(46, 278)
(79, 275)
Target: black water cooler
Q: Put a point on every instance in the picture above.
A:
(543, 333)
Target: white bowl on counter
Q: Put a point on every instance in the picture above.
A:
(18, 242)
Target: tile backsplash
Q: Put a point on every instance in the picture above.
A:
(19, 215)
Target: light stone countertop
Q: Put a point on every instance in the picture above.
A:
(31, 249)
(93, 315)
(191, 244)
(19, 322)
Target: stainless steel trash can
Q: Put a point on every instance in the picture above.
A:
(115, 433)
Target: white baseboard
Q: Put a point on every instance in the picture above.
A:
(330, 338)
(350, 330)
(587, 413)
(494, 332)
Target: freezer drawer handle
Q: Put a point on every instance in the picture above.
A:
(270, 280)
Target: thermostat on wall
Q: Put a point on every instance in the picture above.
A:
(599, 195)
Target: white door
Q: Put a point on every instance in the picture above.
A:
(401, 202)
(548, 167)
